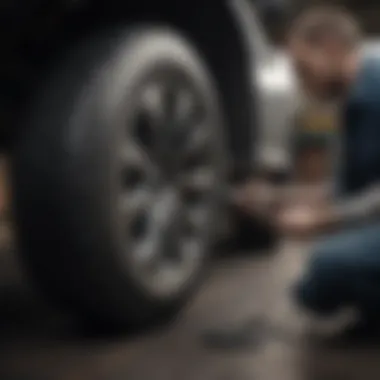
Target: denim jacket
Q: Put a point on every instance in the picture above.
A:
(358, 155)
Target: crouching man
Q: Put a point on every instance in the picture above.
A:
(344, 270)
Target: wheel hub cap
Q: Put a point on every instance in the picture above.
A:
(167, 181)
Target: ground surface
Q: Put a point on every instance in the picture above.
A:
(35, 345)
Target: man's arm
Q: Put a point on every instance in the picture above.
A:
(305, 220)
(360, 208)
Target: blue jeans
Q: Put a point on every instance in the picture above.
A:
(344, 270)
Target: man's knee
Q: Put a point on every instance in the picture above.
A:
(324, 285)
(338, 267)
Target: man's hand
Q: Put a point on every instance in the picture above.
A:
(303, 221)
(256, 198)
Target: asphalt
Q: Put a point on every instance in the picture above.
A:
(36, 343)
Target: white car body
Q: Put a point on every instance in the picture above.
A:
(279, 99)
(277, 95)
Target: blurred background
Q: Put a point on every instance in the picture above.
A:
(247, 286)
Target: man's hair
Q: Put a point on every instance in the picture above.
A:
(316, 25)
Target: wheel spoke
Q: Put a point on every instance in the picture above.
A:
(196, 218)
(191, 250)
(134, 156)
(184, 108)
(200, 180)
(136, 202)
(197, 141)
(145, 253)
(137, 163)
(170, 105)
(153, 104)
(193, 134)
(147, 249)
(158, 114)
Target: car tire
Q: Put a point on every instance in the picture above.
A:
(114, 217)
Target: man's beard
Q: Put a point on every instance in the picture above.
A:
(335, 89)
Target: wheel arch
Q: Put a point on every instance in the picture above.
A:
(229, 56)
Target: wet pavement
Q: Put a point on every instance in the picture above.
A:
(36, 344)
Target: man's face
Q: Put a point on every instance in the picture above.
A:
(321, 67)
